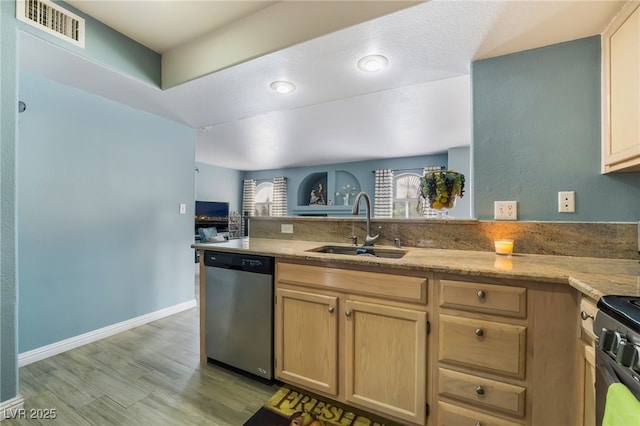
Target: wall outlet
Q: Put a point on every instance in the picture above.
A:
(566, 201)
(286, 228)
(505, 210)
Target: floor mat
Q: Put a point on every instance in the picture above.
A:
(289, 407)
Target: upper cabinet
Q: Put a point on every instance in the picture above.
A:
(621, 92)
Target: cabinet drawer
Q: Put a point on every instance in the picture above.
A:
(453, 415)
(488, 345)
(389, 286)
(495, 299)
(587, 313)
(486, 392)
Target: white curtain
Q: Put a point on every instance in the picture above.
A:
(383, 193)
(279, 207)
(248, 200)
(426, 210)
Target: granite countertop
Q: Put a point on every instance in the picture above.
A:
(593, 277)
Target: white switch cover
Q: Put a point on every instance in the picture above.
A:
(505, 210)
(566, 201)
(286, 228)
(183, 208)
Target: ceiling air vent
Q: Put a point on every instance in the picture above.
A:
(52, 19)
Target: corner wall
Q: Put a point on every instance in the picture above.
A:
(100, 237)
(536, 131)
(8, 262)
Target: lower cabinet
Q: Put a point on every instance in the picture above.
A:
(385, 359)
(505, 352)
(307, 339)
(365, 351)
(587, 362)
(453, 415)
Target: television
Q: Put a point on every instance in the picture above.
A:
(212, 214)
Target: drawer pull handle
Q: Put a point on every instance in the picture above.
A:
(331, 309)
(481, 294)
(480, 390)
(585, 316)
(479, 332)
(348, 313)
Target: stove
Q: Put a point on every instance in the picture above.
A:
(617, 325)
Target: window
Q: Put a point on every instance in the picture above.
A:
(406, 196)
(264, 199)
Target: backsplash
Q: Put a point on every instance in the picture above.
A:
(583, 239)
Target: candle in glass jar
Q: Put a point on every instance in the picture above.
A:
(503, 246)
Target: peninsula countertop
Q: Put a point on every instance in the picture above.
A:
(594, 277)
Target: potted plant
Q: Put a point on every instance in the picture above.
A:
(440, 189)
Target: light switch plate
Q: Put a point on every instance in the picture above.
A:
(505, 210)
(286, 228)
(183, 208)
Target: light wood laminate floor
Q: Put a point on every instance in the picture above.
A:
(149, 375)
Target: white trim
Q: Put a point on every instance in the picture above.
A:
(11, 407)
(43, 352)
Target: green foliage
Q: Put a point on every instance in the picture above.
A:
(440, 189)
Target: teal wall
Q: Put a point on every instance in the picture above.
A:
(107, 47)
(362, 171)
(100, 237)
(214, 183)
(8, 280)
(536, 131)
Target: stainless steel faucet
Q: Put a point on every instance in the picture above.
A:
(368, 239)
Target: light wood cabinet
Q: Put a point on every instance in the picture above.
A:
(621, 92)
(505, 352)
(485, 345)
(308, 339)
(453, 415)
(339, 334)
(587, 363)
(385, 359)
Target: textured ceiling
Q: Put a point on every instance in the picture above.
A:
(419, 105)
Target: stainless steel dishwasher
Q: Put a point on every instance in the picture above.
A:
(239, 311)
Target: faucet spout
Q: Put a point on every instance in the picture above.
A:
(368, 239)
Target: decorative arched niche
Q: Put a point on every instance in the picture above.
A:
(345, 184)
(309, 184)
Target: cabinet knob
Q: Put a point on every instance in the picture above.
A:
(478, 424)
(479, 332)
(347, 313)
(481, 294)
(585, 316)
(331, 309)
(480, 390)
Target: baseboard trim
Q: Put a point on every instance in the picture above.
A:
(56, 348)
(11, 408)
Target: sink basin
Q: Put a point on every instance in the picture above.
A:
(361, 251)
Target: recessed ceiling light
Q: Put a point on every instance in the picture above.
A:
(282, 87)
(373, 63)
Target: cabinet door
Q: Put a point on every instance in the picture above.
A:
(385, 366)
(589, 374)
(307, 339)
(621, 150)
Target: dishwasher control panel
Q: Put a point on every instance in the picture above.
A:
(239, 261)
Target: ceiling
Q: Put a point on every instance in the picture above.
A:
(420, 104)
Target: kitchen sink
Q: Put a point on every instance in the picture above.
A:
(361, 251)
